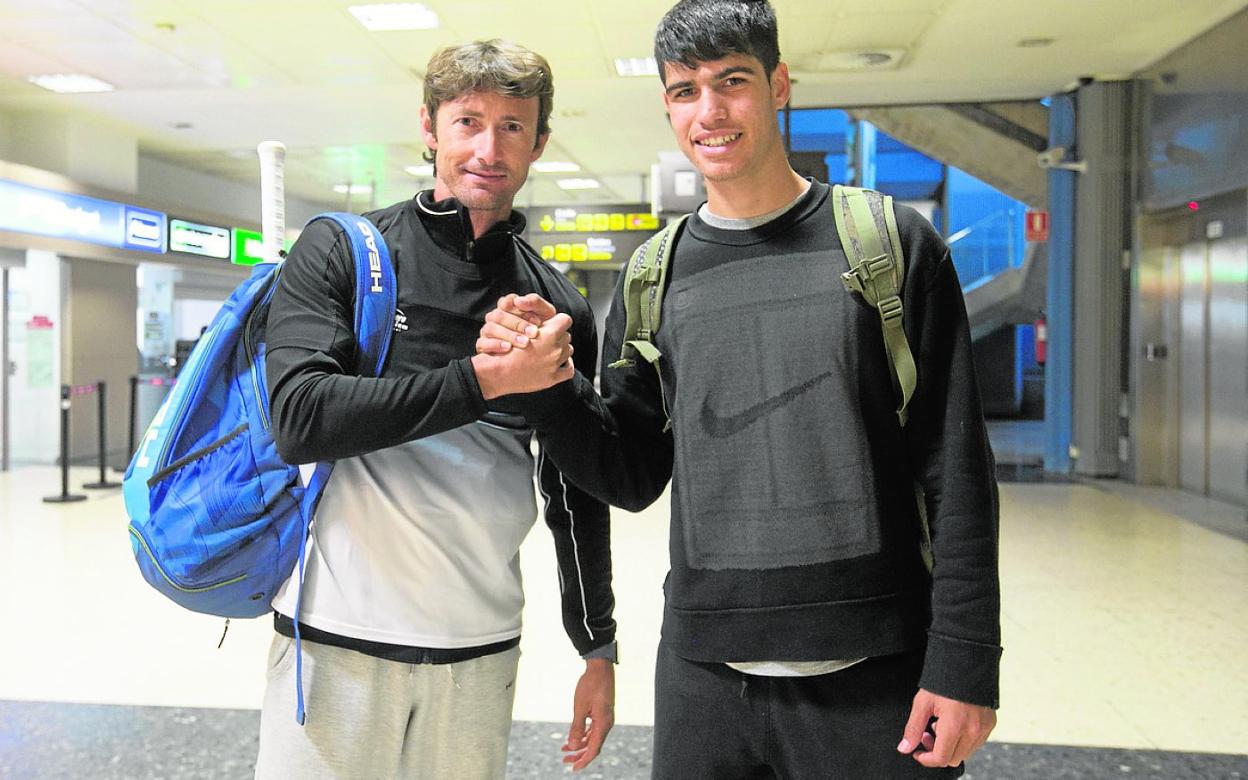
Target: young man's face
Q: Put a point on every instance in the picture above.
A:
(483, 146)
(723, 113)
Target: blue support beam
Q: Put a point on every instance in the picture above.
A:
(1059, 314)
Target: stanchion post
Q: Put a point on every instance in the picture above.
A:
(134, 408)
(65, 495)
(101, 390)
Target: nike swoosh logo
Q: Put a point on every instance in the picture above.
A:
(722, 427)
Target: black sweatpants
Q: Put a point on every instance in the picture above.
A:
(712, 722)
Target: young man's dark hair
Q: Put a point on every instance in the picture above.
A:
(696, 31)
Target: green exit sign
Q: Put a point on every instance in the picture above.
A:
(248, 247)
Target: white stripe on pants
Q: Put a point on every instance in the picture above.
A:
(372, 718)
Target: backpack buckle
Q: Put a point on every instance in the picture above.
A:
(866, 271)
(890, 308)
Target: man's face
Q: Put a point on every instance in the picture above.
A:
(483, 146)
(723, 113)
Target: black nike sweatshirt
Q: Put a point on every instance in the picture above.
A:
(796, 533)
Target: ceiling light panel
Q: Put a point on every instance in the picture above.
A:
(631, 67)
(395, 16)
(70, 83)
(555, 166)
(579, 184)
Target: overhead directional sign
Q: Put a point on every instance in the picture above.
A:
(248, 247)
(196, 239)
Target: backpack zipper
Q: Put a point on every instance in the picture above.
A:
(252, 363)
(148, 550)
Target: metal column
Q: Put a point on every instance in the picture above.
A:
(1102, 237)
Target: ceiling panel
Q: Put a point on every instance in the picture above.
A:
(862, 31)
(346, 102)
(19, 62)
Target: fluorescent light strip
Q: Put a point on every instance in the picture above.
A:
(554, 166)
(355, 189)
(636, 66)
(70, 83)
(579, 184)
(420, 171)
(395, 16)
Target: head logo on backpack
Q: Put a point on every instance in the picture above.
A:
(218, 520)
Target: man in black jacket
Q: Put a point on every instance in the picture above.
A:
(801, 616)
(412, 600)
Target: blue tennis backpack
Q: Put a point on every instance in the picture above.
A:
(218, 520)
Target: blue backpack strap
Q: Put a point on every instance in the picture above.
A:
(375, 301)
(375, 294)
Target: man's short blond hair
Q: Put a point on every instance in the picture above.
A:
(489, 66)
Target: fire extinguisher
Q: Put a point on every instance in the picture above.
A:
(1042, 341)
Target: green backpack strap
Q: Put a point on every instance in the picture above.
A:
(644, 285)
(867, 226)
(643, 296)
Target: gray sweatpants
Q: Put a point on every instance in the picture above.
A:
(372, 718)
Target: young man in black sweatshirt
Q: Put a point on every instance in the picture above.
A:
(411, 608)
(801, 618)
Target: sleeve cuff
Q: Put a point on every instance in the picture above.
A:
(472, 388)
(609, 651)
(542, 408)
(962, 670)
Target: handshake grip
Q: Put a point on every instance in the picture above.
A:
(524, 346)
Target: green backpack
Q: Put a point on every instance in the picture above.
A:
(867, 226)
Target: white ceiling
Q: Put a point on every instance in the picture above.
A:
(231, 73)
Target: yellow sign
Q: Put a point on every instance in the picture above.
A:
(617, 222)
(643, 222)
(584, 223)
(563, 253)
(547, 224)
(602, 222)
(580, 253)
(548, 252)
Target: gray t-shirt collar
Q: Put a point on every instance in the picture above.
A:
(748, 223)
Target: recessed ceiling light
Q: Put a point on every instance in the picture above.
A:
(420, 171)
(636, 66)
(352, 189)
(579, 184)
(555, 166)
(70, 83)
(1035, 43)
(873, 59)
(395, 16)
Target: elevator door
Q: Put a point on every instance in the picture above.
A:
(1228, 369)
(1193, 368)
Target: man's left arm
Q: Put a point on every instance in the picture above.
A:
(581, 528)
(952, 459)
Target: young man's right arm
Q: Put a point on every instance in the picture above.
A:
(322, 410)
(612, 446)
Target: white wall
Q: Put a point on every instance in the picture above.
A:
(171, 184)
(91, 151)
(100, 348)
(34, 405)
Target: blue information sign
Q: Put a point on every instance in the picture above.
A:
(26, 209)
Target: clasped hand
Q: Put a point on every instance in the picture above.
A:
(524, 346)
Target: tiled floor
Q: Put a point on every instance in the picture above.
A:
(1123, 626)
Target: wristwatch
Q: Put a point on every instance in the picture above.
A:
(609, 651)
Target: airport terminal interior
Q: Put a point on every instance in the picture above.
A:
(1087, 163)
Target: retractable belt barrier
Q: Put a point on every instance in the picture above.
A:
(68, 393)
